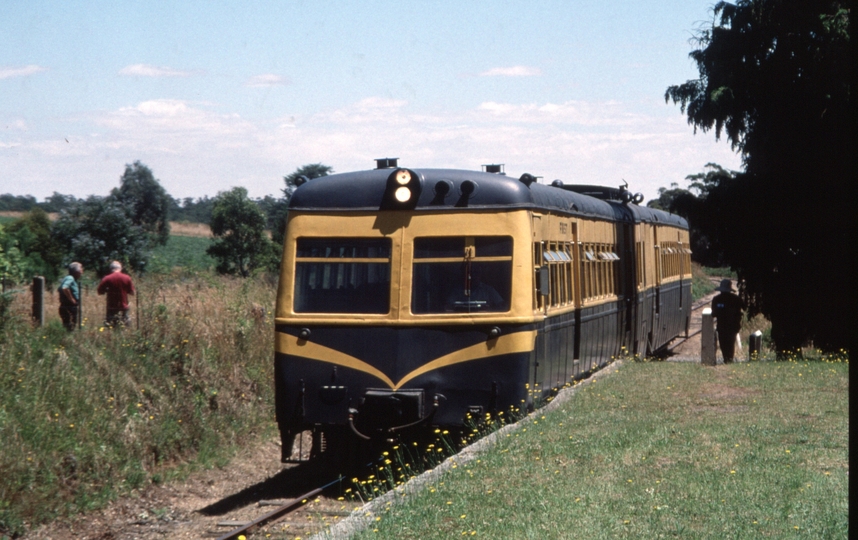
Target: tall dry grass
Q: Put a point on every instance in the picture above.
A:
(88, 415)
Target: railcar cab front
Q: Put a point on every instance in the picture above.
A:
(397, 304)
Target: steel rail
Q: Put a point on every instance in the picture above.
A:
(694, 307)
(277, 513)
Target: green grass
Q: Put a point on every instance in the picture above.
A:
(701, 283)
(719, 272)
(657, 450)
(185, 252)
(90, 415)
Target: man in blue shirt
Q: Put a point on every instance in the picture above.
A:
(70, 296)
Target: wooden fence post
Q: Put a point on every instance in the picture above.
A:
(39, 300)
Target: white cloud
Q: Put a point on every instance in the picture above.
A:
(606, 113)
(9, 72)
(513, 71)
(195, 149)
(145, 70)
(266, 80)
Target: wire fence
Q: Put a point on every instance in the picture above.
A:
(151, 298)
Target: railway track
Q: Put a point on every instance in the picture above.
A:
(283, 508)
(300, 501)
(262, 508)
(694, 328)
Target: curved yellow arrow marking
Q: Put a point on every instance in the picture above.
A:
(307, 349)
(508, 344)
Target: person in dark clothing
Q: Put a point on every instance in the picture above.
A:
(727, 309)
(69, 291)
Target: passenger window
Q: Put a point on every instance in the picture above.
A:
(461, 274)
(342, 275)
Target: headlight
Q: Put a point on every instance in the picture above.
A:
(402, 194)
(402, 191)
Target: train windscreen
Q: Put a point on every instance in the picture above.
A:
(342, 275)
(461, 274)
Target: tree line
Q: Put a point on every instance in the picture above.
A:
(134, 218)
(188, 209)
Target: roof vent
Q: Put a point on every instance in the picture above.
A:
(386, 163)
(496, 168)
(527, 179)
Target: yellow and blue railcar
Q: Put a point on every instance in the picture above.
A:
(413, 297)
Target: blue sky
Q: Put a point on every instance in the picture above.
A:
(211, 95)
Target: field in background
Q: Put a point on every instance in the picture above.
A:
(657, 450)
(182, 254)
(183, 228)
(178, 228)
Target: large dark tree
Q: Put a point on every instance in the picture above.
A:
(774, 78)
(145, 200)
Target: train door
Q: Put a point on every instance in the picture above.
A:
(628, 282)
(682, 269)
(539, 307)
(658, 264)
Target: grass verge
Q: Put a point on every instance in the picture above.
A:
(657, 450)
(701, 282)
(89, 415)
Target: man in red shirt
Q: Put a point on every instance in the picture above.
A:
(117, 286)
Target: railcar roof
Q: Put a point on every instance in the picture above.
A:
(364, 191)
